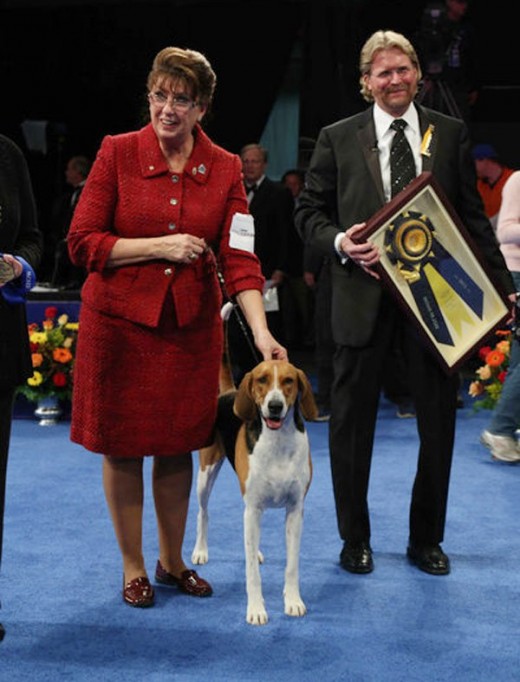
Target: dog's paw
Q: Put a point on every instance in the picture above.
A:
(256, 615)
(199, 556)
(295, 607)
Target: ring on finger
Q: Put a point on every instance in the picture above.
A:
(192, 256)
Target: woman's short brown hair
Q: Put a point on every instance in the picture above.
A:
(189, 66)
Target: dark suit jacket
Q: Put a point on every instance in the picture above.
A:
(272, 209)
(19, 236)
(344, 187)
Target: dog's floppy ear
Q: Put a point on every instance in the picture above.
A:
(244, 406)
(307, 403)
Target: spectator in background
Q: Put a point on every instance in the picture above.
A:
(64, 273)
(500, 436)
(271, 205)
(297, 298)
(20, 252)
(448, 50)
(318, 278)
(491, 178)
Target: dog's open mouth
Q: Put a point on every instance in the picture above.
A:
(273, 422)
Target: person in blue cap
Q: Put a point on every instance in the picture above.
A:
(20, 253)
(491, 178)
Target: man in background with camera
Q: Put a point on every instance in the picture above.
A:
(447, 49)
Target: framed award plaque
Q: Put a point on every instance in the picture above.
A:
(435, 271)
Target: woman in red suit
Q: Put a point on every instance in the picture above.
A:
(156, 216)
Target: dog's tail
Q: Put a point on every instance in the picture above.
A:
(226, 381)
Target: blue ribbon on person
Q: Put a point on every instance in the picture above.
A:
(436, 280)
(16, 290)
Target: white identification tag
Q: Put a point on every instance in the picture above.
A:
(270, 297)
(242, 232)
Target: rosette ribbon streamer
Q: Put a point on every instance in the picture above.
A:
(439, 284)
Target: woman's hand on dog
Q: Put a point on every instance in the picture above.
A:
(269, 346)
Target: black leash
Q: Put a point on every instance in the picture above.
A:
(238, 315)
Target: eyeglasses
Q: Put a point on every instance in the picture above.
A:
(177, 102)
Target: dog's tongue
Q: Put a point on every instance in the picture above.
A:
(273, 423)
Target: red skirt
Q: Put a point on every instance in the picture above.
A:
(142, 391)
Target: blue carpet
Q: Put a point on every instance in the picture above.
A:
(61, 577)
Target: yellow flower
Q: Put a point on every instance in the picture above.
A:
(63, 319)
(35, 380)
(38, 337)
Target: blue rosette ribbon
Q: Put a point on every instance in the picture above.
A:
(438, 283)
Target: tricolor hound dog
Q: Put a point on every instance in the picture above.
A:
(260, 428)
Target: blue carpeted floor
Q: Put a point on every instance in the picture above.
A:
(61, 577)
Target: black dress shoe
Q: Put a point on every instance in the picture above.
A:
(2, 632)
(429, 558)
(356, 557)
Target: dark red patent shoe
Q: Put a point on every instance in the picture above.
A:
(189, 582)
(138, 592)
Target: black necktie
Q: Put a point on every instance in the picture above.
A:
(402, 164)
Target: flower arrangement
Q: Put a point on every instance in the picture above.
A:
(52, 350)
(487, 387)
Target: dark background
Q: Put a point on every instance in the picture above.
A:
(82, 66)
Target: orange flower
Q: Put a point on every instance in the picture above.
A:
(62, 355)
(47, 324)
(495, 358)
(37, 359)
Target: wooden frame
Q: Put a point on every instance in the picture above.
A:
(434, 270)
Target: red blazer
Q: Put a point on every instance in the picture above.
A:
(131, 193)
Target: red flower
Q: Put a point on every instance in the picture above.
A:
(483, 352)
(502, 376)
(51, 312)
(59, 379)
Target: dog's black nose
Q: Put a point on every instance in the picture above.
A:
(275, 407)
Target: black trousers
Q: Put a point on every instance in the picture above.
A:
(6, 415)
(358, 376)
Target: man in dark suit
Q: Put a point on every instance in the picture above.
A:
(20, 253)
(271, 205)
(64, 273)
(347, 182)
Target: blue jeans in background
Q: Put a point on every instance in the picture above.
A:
(505, 419)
